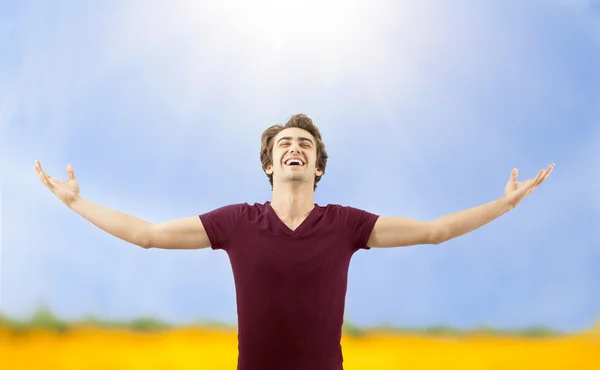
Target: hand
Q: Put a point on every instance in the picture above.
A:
(516, 191)
(66, 191)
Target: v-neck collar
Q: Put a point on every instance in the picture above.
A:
(285, 227)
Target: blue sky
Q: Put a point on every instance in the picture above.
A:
(425, 107)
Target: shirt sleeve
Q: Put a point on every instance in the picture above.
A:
(361, 224)
(220, 224)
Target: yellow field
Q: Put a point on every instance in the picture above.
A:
(94, 349)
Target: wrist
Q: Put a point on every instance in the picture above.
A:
(507, 203)
(72, 204)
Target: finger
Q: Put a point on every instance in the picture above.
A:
(40, 176)
(545, 175)
(44, 180)
(39, 168)
(537, 179)
(539, 176)
(513, 175)
(548, 170)
(49, 183)
(70, 172)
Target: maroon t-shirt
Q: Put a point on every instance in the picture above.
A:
(290, 285)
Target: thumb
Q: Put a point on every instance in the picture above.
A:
(513, 175)
(70, 172)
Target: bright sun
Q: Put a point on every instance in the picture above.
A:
(282, 23)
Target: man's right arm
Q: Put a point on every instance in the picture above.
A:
(184, 233)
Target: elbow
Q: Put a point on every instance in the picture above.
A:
(145, 244)
(146, 239)
(437, 241)
(439, 234)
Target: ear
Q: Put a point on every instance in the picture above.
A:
(269, 170)
(318, 172)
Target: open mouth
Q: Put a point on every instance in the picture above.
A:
(294, 162)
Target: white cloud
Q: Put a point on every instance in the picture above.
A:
(261, 52)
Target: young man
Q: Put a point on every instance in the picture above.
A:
(289, 256)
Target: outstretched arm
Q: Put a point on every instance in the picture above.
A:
(185, 233)
(400, 232)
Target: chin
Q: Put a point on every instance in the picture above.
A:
(296, 178)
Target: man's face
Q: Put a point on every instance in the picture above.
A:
(294, 156)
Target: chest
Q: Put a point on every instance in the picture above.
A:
(313, 255)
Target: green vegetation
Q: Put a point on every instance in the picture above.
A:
(352, 330)
(448, 331)
(44, 319)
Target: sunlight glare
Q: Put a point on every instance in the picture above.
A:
(292, 23)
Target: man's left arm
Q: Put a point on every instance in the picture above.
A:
(400, 232)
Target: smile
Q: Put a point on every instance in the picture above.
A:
(294, 162)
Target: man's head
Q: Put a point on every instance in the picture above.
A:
(294, 151)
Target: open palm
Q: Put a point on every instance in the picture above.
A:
(516, 191)
(67, 191)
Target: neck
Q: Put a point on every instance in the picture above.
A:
(293, 200)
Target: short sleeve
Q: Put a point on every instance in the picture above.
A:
(220, 224)
(361, 224)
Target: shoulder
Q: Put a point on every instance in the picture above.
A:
(246, 210)
(230, 209)
(341, 209)
(226, 214)
(358, 222)
(346, 213)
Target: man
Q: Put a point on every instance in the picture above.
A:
(289, 256)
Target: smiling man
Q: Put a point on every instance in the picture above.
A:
(290, 256)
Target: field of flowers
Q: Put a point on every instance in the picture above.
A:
(215, 349)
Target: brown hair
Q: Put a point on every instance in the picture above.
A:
(301, 121)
